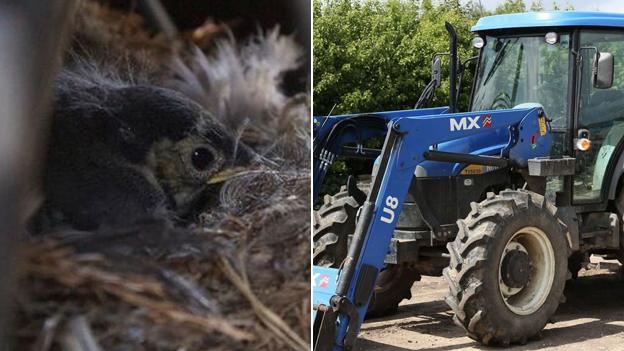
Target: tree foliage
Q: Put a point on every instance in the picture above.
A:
(510, 6)
(373, 55)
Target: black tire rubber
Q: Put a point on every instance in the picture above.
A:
(394, 285)
(474, 292)
(333, 223)
(575, 264)
(619, 205)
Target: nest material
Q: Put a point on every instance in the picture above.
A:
(238, 279)
(117, 39)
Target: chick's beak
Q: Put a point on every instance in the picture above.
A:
(227, 174)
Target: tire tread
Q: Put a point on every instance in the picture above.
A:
(468, 263)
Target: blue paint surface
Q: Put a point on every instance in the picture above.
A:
(550, 19)
(323, 285)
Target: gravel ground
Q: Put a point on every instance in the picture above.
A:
(591, 319)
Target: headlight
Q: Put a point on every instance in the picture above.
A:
(478, 42)
(551, 37)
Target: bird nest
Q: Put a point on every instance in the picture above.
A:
(235, 278)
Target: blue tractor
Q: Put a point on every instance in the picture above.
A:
(506, 200)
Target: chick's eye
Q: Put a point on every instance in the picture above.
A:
(202, 158)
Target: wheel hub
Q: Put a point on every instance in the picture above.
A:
(516, 269)
(526, 270)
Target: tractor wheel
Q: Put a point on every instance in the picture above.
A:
(394, 284)
(333, 223)
(508, 267)
(619, 205)
(575, 264)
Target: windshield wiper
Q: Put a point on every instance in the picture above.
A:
(497, 60)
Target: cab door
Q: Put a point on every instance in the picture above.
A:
(600, 117)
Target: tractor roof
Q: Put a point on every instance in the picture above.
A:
(550, 19)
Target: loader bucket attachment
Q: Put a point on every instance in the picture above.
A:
(323, 285)
(323, 316)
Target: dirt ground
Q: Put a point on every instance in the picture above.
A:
(591, 319)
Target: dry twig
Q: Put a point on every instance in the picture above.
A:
(271, 320)
(144, 292)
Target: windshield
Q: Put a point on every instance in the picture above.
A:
(516, 70)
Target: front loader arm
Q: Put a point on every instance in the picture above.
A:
(407, 141)
(332, 133)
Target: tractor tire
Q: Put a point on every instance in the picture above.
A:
(508, 268)
(619, 205)
(394, 284)
(575, 264)
(333, 223)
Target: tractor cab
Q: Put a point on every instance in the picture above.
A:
(568, 62)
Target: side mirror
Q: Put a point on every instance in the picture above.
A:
(436, 71)
(603, 70)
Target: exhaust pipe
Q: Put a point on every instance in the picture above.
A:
(453, 76)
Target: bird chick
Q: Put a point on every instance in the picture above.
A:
(121, 153)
